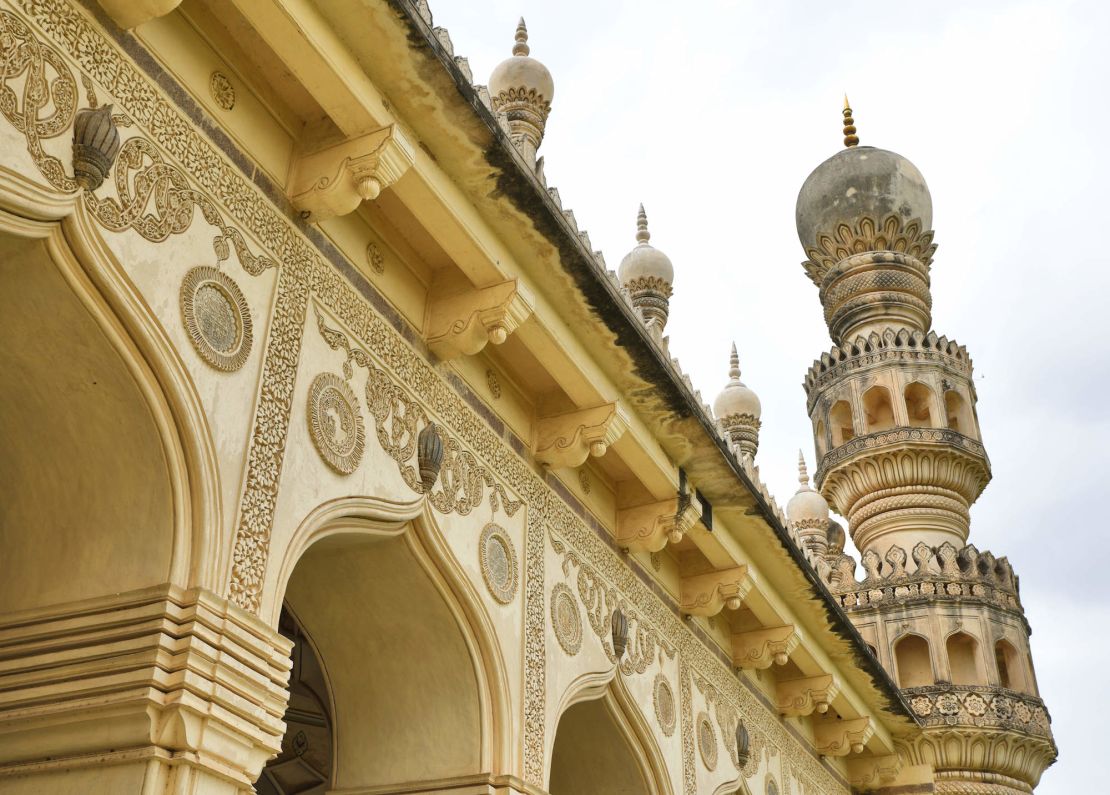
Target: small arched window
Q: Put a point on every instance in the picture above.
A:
(919, 405)
(958, 413)
(913, 662)
(1011, 673)
(877, 408)
(772, 787)
(840, 420)
(962, 653)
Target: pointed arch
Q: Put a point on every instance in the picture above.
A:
(368, 575)
(913, 661)
(878, 411)
(963, 659)
(109, 450)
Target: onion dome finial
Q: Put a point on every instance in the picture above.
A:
(737, 409)
(521, 88)
(647, 274)
(808, 513)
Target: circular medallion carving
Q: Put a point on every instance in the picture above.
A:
(498, 561)
(664, 705)
(222, 90)
(335, 423)
(707, 741)
(565, 619)
(216, 317)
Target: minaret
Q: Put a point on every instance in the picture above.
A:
(521, 88)
(737, 409)
(648, 276)
(900, 456)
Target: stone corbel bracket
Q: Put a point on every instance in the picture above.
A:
(798, 697)
(130, 14)
(337, 179)
(462, 324)
(709, 594)
(761, 647)
(567, 440)
(832, 737)
(648, 528)
(868, 772)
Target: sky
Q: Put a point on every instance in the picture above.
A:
(712, 114)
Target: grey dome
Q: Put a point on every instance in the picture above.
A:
(861, 181)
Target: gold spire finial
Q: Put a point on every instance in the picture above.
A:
(520, 47)
(850, 138)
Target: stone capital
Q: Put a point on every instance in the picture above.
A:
(335, 180)
(709, 594)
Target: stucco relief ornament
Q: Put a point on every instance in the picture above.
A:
(665, 711)
(216, 317)
(498, 562)
(335, 423)
(223, 92)
(707, 742)
(565, 619)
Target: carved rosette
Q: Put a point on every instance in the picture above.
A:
(497, 559)
(566, 621)
(216, 317)
(651, 296)
(873, 274)
(707, 742)
(335, 423)
(665, 711)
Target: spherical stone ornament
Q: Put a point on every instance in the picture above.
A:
(216, 317)
(664, 705)
(707, 742)
(497, 559)
(335, 423)
(565, 619)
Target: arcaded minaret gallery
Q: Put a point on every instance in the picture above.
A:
(900, 456)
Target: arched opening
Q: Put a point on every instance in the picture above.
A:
(303, 767)
(819, 435)
(840, 420)
(1011, 673)
(919, 405)
(958, 413)
(913, 662)
(408, 692)
(600, 749)
(962, 665)
(89, 482)
(877, 409)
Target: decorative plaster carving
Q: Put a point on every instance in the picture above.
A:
(648, 528)
(163, 202)
(806, 695)
(337, 179)
(375, 258)
(707, 742)
(462, 324)
(335, 423)
(709, 594)
(833, 736)
(565, 619)
(222, 91)
(567, 440)
(666, 712)
(760, 647)
(217, 318)
(493, 384)
(497, 558)
(889, 235)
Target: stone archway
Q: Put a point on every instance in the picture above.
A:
(601, 750)
(409, 696)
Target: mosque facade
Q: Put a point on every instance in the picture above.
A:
(338, 460)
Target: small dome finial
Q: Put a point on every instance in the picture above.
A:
(734, 364)
(521, 45)
(803, 475)
(850, 137)
(642, 233)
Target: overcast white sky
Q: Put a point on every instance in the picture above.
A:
(713, 113)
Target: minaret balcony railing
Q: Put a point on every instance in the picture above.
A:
(894, 438)
(980, 706)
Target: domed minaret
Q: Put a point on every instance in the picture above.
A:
(648, 276)
(521, 88)
(738, 410)
(900, 457)
(808, 514)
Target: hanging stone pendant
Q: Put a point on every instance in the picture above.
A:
(429, 455)
(95, 146)
(620, 633)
